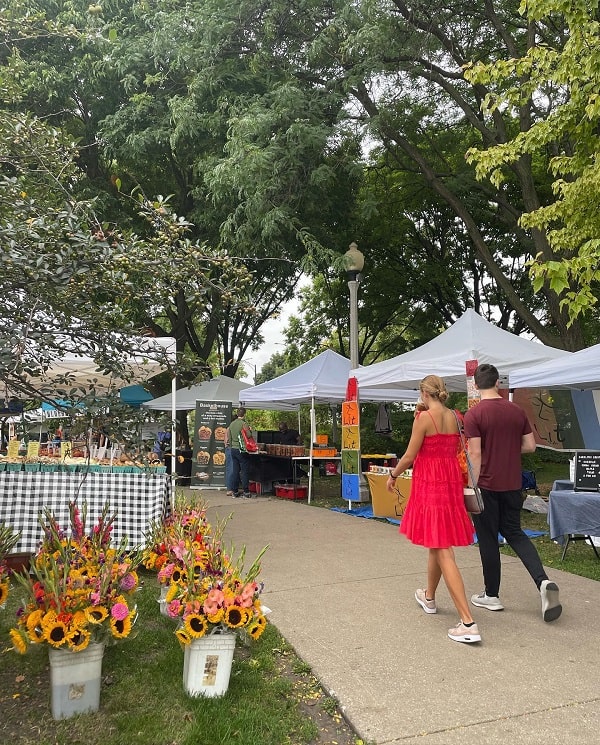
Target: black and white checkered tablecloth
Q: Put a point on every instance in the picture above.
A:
(138, 499)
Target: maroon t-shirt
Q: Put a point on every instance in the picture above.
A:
(500, 424)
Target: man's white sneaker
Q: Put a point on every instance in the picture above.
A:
(486, 601)
(551, 607)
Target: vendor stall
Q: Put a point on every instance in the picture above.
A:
(321, 380)
(138, 499)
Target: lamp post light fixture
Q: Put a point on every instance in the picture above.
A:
(355, 262)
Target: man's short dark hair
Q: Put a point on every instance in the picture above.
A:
(241, 412)
(486, 376)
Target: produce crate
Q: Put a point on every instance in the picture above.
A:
(287, 491)
(324, 452)
(14, 467)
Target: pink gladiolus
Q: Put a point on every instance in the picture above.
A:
(179, 550)
(119, 611)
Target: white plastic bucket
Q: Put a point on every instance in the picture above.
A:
(207, 665)
(164, 589)
(75, 680)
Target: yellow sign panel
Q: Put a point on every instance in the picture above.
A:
(33, 449)
(350, 438)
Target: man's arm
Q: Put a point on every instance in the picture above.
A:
(528, 443)
(474, 449)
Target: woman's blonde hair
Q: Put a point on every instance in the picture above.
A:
(435, 387)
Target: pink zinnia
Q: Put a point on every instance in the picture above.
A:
(174, 608)
(119, 611)
(128, 582)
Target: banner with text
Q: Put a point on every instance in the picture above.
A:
(208, 459)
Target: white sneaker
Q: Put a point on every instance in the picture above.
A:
(551, 608)
(467, 634)
(428, 606)
(486, 601)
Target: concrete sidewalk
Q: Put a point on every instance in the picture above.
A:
(341, 589)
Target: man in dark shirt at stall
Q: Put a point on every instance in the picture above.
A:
(288, 436)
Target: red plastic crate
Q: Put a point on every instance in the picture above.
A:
(287, 491)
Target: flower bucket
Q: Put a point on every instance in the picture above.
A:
(164, 589)
(75, 680)
(207, 665)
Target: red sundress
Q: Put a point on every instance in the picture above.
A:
(435, 516)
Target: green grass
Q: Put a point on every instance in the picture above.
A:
(142, 697)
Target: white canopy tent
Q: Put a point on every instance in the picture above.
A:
(321, 380)
(79, 370)
(471, 337)
(220, 388)
(580, 370)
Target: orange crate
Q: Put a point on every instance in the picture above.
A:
(324, 452)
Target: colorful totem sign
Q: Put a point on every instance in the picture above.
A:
(351, 444)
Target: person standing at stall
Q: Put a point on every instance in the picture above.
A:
(240, 460)
(435, 516)
(288, 436)
(229, 460)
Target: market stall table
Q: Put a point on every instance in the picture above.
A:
(573, 515)
(139, 499)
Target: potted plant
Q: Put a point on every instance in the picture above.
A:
(78, 595)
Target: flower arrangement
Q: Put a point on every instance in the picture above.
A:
(79, 589)
(8, 540)
(168, 540)
(211, 593)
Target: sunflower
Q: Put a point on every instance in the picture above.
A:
(3, 592)
(34, 620)
(79, 639)
(182, 635)
(121, 628)
(255, 630)
(216, 617)
(235, 617)
(171, 592)
(179, 576)
(96, 614)
(196, 625)
(19, 643)
(55, 631)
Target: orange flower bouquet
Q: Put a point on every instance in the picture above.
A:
(169, 539)
(213, 594)
(79, 590)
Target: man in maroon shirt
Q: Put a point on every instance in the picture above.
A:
(498, 432)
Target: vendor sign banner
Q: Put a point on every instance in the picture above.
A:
(208, 459)
(562, 419)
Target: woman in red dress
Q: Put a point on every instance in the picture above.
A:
(435, 516)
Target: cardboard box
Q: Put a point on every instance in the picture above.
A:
(385, 503)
